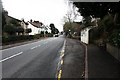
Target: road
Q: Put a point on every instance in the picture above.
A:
(34, 60)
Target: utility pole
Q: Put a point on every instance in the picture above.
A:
(44, 30)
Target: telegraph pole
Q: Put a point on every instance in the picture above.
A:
(44, 30)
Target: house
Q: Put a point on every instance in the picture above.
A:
(22, 23)
(9, 18)
(85, 36)
(35, 26)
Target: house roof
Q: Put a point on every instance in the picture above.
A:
(15, 19)
(36, 24)
(26, 23)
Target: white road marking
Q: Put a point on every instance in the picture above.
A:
(34, 47)
(11, 56)
(39, 45)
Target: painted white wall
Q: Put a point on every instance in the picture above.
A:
(23, 25)
(85, 35)
(34, 29)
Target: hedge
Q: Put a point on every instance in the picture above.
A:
(14, 38)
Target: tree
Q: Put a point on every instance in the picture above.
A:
(70, 18)
(52, 27)
(46, 32)
(19, 29)
(106, 11)
(67, 27)
(9, 29)
(75, 28)
(72, 13)
(3, 18)
(56, 31)
(109, 14)
(15, 23)
(97, 9)
(42, 32)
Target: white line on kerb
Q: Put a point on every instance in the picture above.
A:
(86, 65)
(86, 62)
(11, 57)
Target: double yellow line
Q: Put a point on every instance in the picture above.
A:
(59, 75)
(61, 61)
(60, 71)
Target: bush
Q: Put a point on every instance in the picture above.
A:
(114, 38)
(9, 29)
(37, 36)
(50, 35)
(14, 38)
(19, 29)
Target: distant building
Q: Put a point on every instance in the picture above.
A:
(85, 36)
(35, 26)
(9, 18)
(22, 23)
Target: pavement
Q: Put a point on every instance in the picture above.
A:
(73, 66)
(101, 64)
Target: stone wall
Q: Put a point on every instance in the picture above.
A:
(114, 51)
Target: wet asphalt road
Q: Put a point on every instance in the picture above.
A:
(34, 60)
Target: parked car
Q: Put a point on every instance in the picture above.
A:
(55, 35)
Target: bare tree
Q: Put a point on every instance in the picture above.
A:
(69, 19)
(72, 13)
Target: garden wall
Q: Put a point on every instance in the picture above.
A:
(114, 51)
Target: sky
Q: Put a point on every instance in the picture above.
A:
(45, 11)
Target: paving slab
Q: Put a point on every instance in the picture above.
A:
(101, 64)
(73, 66)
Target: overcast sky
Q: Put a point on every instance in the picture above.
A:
(46, 11)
